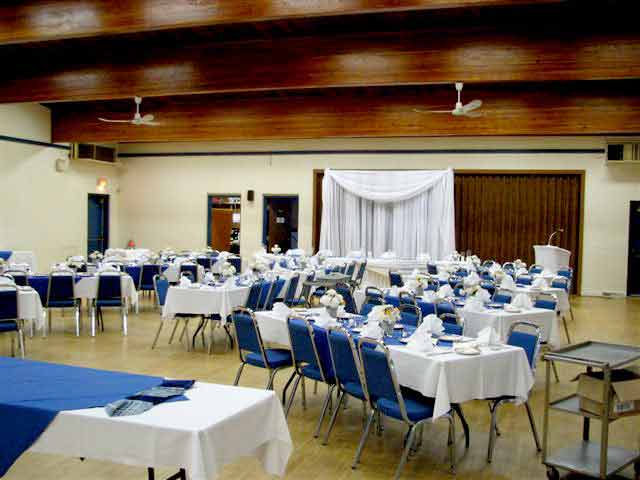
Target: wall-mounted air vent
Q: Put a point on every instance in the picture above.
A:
(94, 153)
(623, 151)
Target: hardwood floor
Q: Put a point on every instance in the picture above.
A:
(615, 320)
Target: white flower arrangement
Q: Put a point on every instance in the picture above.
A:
(276, 249)
(386, 316)
(95, 256)
(227, 270)
(422, 280)
(259, 264)
(331, 299)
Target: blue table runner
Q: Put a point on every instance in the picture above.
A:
(32, 394)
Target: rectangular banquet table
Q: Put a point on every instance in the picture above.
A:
(218, 425)
(172, 272)
(447, 377)
(204, 300)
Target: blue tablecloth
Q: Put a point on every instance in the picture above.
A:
(5, 254)
(33, 393)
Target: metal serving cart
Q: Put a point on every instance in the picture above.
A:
(598, 460)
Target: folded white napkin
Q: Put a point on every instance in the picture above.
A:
(483, 295)
(488, 336)
(429, 296)
(474, 304)
(209, 278)
(445, 291)
(522, 271)
(471, 280)
(420, 342)
(539, 283)
(494, 268)
(185, 281)
(372, 330)
(389, 254)
(281, 310)
(77, 258)
(325, 320)
(522, 301)
(508, 283)
(431, 323)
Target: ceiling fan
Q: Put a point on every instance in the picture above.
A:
(460, 110)
(137, 118)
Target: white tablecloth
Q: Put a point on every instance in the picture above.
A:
(87, 287)
(204, 301)
(24, 256)
(561, 295)
(128, 253)
(449, 378)
(172, 273)
(218, 425)
(547, 320)
(30, 308)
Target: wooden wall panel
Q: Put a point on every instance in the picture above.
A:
(501, 215)
(592, 108)
(169, 66)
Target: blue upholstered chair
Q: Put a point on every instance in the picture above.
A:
(135, 272)
(20, 277)
(349, 303)
(148, 272)
(265, 290)
(406, 298)
(357, 281)
(308, 363)
(509, 268)
(374, 292)
(535, 269)
(351, 268)
(566, 272)
(410, 315)
(433, 284)
(461, 272)
(60, 294)
(251, 349)
(432, 269)
(110, 295)
(254, 295)
(526, 336)
(276, 286)
(191, 268)
(489, 286)
(9, 322)
(445, 306)
(524, 280)
(450, 324)
(561, 282)
(395, 279)
(459, 291)
(204, 261)
(346, 366)
(502, 296)
(547, 302)
(289, 298)
(386, 397)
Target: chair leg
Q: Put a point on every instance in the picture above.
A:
(286, 387)
(155, 340)
(566, 329)
(77, 320)
(237, 380)
(363, 439)
(272, 376)
(231, 341)
(173, 331)
(334, 417)
(452, 444)
(465, 426)
(304, 393)
(13, 347)
(532, 422)
(555, 371)
(93, 321)
(125, 327)
(291, 397)
(405, 453)
(49, 319)
(573, 319)
(21, 343)
(492, 430)
(324, 410)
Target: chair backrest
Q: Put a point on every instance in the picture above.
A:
(395, 279)
(361, 269)
(566, 272)
(6, 280)
(254, 295)
(450, 324)
(445, 306)
(161, 287)
(19, 277)
(61, 285)
(530, 342)
(488, 263)
(350, 269)
(109, 286)
(509, 267)
(191, 268)
(204, 261)
(373, 292)
(265, 291)
(8, 302)
(344, 356)
(560, 282)
(149, 271)
(459, 291)
(406, 298)
(524, 280)
(502, 296)
(379, 374)
(303, 346)
(410, 314)
(273, 293)
(433, 284)
(461, 272)
(290, 294)
(432, 269)
(349, 303)
(247, 333)
(546, 301)
(533, 269)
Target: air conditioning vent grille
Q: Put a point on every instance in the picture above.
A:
(623, 152)
(94, 153)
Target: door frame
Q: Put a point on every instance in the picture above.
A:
(106, 214)
(629, 240)
(208, 213)
(265, 196)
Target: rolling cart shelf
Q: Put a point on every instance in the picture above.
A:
(593, 459)
(584, 458)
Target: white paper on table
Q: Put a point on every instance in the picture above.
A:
(522, 301)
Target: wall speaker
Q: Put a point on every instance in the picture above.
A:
(250, 195)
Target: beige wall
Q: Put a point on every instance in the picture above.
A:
(165, 197)
(40, 209)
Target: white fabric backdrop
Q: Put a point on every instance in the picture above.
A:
(407, 212)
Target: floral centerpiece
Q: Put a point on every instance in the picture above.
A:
(332, 300)
(420, 283)
(259, 265)
(276, 249)
(386, 316)
(227, 270)
(95, 256)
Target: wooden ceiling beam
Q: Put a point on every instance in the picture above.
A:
(42, 20)
(107, 70)
(572, 108)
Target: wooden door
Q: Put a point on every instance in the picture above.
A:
(221, 222)
(279, 223)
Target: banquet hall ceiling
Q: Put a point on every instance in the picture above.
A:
(234, 69)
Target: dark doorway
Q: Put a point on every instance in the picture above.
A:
(280, 222)
(223, 222)
(633, 271)
(97, 223)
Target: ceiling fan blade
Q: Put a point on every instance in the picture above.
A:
(148, 118)
(472, 114)
(106, 120)
(150, 123)
(417, 110)
(472, 105)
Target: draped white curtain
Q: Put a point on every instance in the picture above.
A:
(407, 212)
